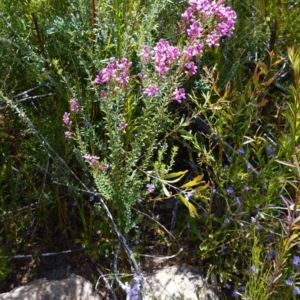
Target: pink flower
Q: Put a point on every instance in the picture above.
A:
(66, 119)
(115, 72)
(74, 105)
(192, 69)
(123, 125)
(145, 53)
(178, 95)
(67, 134)
(92, 160)
(151, 90)
(195, 31)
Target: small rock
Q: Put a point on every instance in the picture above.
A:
(72, 288)
(177, 283)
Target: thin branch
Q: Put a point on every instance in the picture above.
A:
(159, 224)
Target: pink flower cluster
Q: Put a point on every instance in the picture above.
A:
(92, 160)
(201, 12)
(115, 72)
(67, 122)
(74, 105)
(163, 56)
(66, 117)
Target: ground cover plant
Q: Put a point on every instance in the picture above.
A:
(128, 130)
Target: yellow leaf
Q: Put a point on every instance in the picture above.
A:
(193, 182)
(192, 209)
(175, 174)
(166, 191)
(201, 188)
(262, 102)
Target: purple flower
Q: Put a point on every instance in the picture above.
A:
(103, 94)
(195, 31)
(85, 123)
(192, 69)
(226, 221)
(150, 188)
(272, 254)
(296, 290)
(133, 291)
(237, 200)
(123, 125)
(296, 261)
(74, 105)
(161, 68)
(230, 191)
(67, 134)
(242, 288)
(115, 72)
(270, 151)
(92, 160)
(105, 166)
(289, 281)
(246, 188)
(241, 151)
(145, 53)
(193, 51)
(66, 119)
(234, 293)
(151, 90)
(178, 95)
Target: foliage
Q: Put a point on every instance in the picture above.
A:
(218, 131)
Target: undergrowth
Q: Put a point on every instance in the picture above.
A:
(197, 153)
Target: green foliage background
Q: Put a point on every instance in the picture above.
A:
(59, 47)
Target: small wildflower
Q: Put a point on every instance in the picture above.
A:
(92, 160)
(66, 119)
(150, 188)
(191, 69)
(230, 191)
(133, 291)
(237, 200)
(74, 105)
(272, 254)
(270, 151)
(296, 261)
(178, 95)
(123, 125)
(103, 94)
(246, 188)
(228, 286)
(234, 294)
(289, 281)
(151, 91)
(241, 151)
(74, 203)
(105, 166)
(67, 134)
(242, 288)
(226, 221)
(85, 123)
(296, 290)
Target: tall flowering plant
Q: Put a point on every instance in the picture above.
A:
(134, 116)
